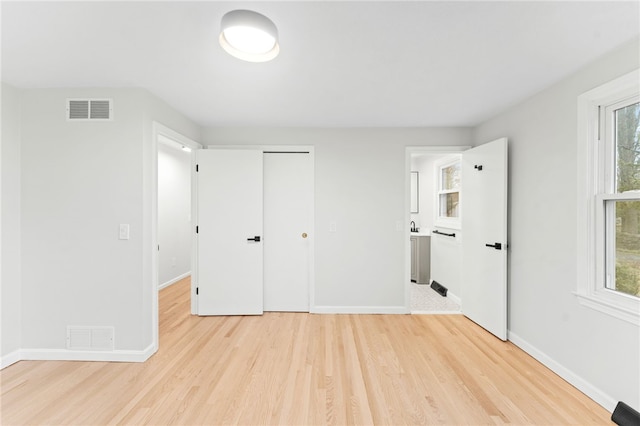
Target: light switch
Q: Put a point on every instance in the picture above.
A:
(124, 231)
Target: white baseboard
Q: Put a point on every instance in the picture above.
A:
(10, 358)
(359, 310)
(454, 298)
(69, 355)
(174, 280)
(578, 382)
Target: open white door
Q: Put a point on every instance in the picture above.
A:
(229, 232)
(484, 242)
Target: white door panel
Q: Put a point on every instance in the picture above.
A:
(230, 267)
(484, 223)
(288, 200)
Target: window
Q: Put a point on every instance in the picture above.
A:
(609, 198)
(448, 194)
(620, 196)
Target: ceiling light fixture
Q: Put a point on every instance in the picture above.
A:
(186, 148)
(249, 36)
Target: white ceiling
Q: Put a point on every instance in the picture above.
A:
(417, 63)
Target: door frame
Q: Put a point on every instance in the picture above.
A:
(194, 215)
(158, 129)
(409, 150)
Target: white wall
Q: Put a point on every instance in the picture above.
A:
(360, 185)
(174, 214)
(80, 180)
(598, 352)
(424, 166)
(10, 291)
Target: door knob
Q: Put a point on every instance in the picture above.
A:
(304, 235)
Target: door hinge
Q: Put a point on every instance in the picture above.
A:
(196, 229)
(197, 168)
(197, 289)
(158, 247)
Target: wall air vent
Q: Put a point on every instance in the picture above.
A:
(89, 109)
(90, 338)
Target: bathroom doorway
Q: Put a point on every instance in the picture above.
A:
(434, 235)
(471, 200)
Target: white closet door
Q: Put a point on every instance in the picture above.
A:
(230, 230)
(288, 200)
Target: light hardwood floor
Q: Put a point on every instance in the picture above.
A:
(301, 369)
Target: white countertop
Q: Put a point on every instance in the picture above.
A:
(426, 233)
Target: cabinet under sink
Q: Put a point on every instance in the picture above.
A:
(420, 259)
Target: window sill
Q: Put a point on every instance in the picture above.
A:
(611, 308)
(443, 223)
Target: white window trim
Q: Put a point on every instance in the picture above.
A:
(439, 221)
(591, 291)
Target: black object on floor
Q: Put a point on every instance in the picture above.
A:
(439, 288)
(624, 415)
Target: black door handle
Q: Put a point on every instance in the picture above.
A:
(497, 246)
(256, 239)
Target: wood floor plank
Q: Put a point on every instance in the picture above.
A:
(300, 369)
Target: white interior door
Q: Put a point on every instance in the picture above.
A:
(229, 234)
(484, 240)
(288, 202)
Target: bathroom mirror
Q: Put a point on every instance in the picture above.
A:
(414, 192)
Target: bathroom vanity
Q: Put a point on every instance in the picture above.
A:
(420, 257)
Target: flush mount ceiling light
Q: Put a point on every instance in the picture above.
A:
(249, 36)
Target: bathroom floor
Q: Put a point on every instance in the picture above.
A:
(425, 300)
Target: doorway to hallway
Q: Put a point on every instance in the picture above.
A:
(174, 211)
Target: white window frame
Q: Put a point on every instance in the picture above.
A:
(594, 189)
(442, 221)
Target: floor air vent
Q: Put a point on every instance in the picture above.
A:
(90, 338)
(442, 290)
(89, 109)
(624, 415)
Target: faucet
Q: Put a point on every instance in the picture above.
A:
(413, 227)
